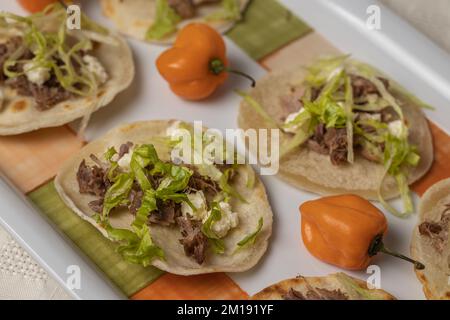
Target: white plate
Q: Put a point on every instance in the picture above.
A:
(407, 56)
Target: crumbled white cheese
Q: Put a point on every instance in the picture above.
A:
(396, 128)
(36, 75)
(199, 201)
(124, 162)
(228, 220)
(291, 117)
(370, 116)
(95, 66)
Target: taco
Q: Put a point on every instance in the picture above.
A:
(159, 20)
(50, 75)
(431, 241)
(182, 218)
(338, 286)
(345, 128)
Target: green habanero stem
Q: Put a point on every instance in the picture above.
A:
(216, 66)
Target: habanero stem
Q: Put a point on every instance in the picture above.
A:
(216, 66)
(377, 245)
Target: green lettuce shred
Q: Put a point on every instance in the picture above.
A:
(352, 285)
(215, 215)
(117, 194)
(136, 246)
(165, 23)
(257, 107)
(251, 238)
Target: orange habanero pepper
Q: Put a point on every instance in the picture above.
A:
(196, 65)
(34, 6)
(345, 230)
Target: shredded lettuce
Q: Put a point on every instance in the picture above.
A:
(226, 187)
(397, 152)
(352, 285)
(251, 238)
(349, 121)
(299, 138)
(230, 11)
(257, 107)
(117, 194)
(141, 158)
(136, 246)
(165, 23)
(147, 206)
(215, 215)
(319, 72)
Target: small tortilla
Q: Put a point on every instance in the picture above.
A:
(134, 17)
(331, 283)
(436, 275)
(19, 114)
(311, 171)
(168, 237)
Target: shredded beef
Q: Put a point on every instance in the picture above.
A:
(46, 96)
(331, 294)
(388, 115)
(315, 294)
(209, 187)
(166, 214)
(294, 295)
(316, 142)
(6, 49)
(91, 180)
(96, 205)
(135, 199)
(330, 141)
(437, 231)
(363, 87)
(199, 2)
(336, 140)
(184, 8)
(125, 148)
(194, 241)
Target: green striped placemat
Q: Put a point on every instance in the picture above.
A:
(266, 27)
(128, 277)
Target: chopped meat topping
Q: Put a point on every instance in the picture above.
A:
(437, 231)
(208, 186)
(135, 199)
(125, 148)
(96, 205)
(184, 8)
(330, 141)
(166, 213)
(336, 140)
(45, 96)
(194, 241)
(363, 87)
(91, 180)
(315, 294)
